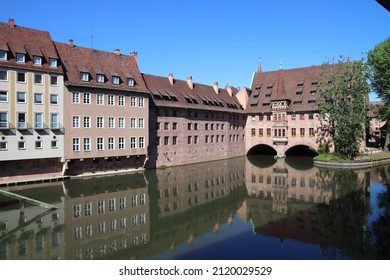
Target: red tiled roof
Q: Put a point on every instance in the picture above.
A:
(79, 59)
(180, 95)
(16, 39)
(296, 85)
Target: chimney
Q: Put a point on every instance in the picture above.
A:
(229, 90)
(170, 78)
(70, 42)
(190, 82)
(135, 55)
(117, 51)
(216, 88)
(11, 22)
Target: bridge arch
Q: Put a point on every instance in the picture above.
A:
(262, 149)
(301, 150)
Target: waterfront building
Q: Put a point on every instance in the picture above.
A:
(106, 104)
(192, 122)
(282, 110)
(31, 97)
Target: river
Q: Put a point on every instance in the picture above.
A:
(252, 207)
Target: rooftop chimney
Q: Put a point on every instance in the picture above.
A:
(117, 51)
(11, 22)
(229, 90)
(216, 88)
(170, 78)
(135, 55)
(190, 82)
(70, 42)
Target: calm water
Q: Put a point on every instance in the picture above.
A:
(243, 208)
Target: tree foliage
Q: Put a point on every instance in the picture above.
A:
(341, 101)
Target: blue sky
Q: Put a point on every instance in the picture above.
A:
(213, 40)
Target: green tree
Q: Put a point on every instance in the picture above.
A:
(379, 62)
(341, 101)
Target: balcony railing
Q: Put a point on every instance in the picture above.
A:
(4, 125)
(23, 125)
(39, 125)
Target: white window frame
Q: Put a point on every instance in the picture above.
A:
(22, 93)
(52, 100)
(54, 124)
(76, 144)
(115, 80)
(53, 80)
(122, 203)
(100, 122)
(130, 82)
(6, 75)
(37, 60)
(100, 78)
(38, 125)
(38, 144)
(141, 102)
(121, 100)
(4, 93)
(100, 143)
(134, 200)
(133, 123)
(20, 57)
(75, 121)
(111, 204)
(87, 144)
(84, 76)
(4, 122)
(111, 122)
(87, 122)
(53, 62)
(133, 101)
(141, 123)
(22, 125)
(24, 77)
(76, 210)
(100, 99)
(54, 144)
(21, 145)
(111, 100)
(75, 97)
(121, 122)
(36, 94)
(101, 206)
(133, 143)
(111, 143)
(86, 98)
(121, 143)
(141, 142)
(3, 55)
(3, 145)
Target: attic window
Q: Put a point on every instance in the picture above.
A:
(84, 76)
(270, 86)
(130, 82)
(314, 83)
(300, 84)
(37, 60)
(268, 95)
(3, 55)
(20, 57)
(115, 80)
(266, 104)
(258, 88)
(298, 93)
(297, 102)
(53, 62)
(312, 102)
(100, 78)
(313, 92)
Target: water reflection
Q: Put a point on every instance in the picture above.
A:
(220, 209)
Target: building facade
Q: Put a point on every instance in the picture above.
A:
(191, 122)
(31, 98)
(107, 110)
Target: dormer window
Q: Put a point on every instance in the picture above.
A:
(314, 83)
(115, 80)
(37, 60)
(53, 62)
(84, 76)
(269, 86)
(300, 84)
(20, 57)
(130, 82)
(3, 55)
(100, 78)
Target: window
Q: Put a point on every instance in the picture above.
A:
(76, 122)
(311, 102)
(52, 62)
(38, 121)
(134, 200)
(87, 98)
(99, 122)
(141, 123)
(21, 97)
(311, 131)
(313, 92)
(76, 144)
(53, 99)
(3, 120)
(87, 144)
(268, 132)
(174, 126)
(54, 144)
(54, 121)
(121, 143)
(140, 102)
(189, 126)
(37, 60)
(38, 144)
(311, 116)
(253, 132)
(130, 82)
(196, 139)
(100, 78)
(76, 210)
(133, 143)
(141, 142)
(20, 57)
(122, 203)
(100, 99)
(166, 125)
(84, 76)
(53, 80)
(293, 132)
(111, 122)
(133, 100)
(302, 117)
(3, 75)
(75, 97)
(189, 139)
(260, 132)
(3, 146)
(111, 204)
(3, 55)
(115, 80)
(121, 122)
(302, 132)
(38, 98)
(21, 145)
(22, 122)
(38, 79)
(110, 100)
(121, 100)
(21, 77)
(3, 96)
(206, 139)
(111, 143)
(100, 144)
(174, 140)
(133, 123)
(101, 206)
(87, 122)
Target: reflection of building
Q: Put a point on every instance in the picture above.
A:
(106, 217)
(31, 97)
(33, 233)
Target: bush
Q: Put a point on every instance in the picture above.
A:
(323, 148)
